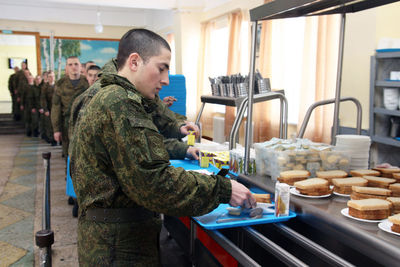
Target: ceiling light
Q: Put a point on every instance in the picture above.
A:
(98, 28)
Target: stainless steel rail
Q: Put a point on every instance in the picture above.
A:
(330, 101)
(311, 246)
(231, 248)
(45, 237)
(283, 122)
(270, 246)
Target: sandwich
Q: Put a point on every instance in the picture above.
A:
(395, 201)
(395, 188)
(396, 176)
(382, 182)
(362, 192)
(313, 187)
(369, 209)
(263, 198)
(388, 172)
(361, 173)
(290, 177)
(329, 175)
(395, 219)
(344, 185)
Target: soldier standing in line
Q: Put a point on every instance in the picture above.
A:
(92, 74)
(13, 94)
(66, 89)
(42, 129)
(29, 104)
(36, 104)
(46, 97)
(121, 170)
(20, 83)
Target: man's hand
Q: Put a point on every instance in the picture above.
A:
(241, 196)
(41, 110)
(21, 107)
(193, 153)
(47, 113)
(190, 126)
(57, 136)
(33, 110)
(169, 100)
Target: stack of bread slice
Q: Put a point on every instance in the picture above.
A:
(369, 209)
(313, 187)
(387, 172)
(363, 192)
(329, 175)
(262, 198)
(396, 176)
(344, 186)
(395, 188)
(395, 201)
(374, 181)
(364, 172)
(290, 177)
(395, 220)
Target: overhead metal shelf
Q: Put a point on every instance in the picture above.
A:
(300, 8)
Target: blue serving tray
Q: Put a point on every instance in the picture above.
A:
(208, 221)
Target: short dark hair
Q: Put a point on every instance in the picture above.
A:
(72, 57)
(94, 67)
(144, 42)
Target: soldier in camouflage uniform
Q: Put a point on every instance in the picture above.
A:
(165, 120)
(13, 93)
(46, 97)
(66, 89)
(30, 104)
(20, 83)
(122, 175)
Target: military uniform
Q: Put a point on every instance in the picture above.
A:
(30, 100)
(119, 162)
(64, 93)
(12, 88)
(20, 84)
(46, 97)
(165, 119)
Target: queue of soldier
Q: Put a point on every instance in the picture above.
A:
(32, 98)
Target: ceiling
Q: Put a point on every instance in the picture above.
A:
(140, 13)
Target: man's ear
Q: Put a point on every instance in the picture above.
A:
(134, 60)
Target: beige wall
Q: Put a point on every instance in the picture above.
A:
(363, 31)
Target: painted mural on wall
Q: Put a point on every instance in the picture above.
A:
(99, 51)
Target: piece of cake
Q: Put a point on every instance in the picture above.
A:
(292, 176)
(344, 185)
(363, 192)
(313, 187)
(369, 209)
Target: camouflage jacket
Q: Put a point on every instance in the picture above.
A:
(165, 119)
(46, 96)
(30, 97)
(64, 93)
(119, 159)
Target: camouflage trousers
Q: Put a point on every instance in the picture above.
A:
(48, 128)
(31, 121)
(119, 244)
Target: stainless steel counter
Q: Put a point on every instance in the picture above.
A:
(325, 215)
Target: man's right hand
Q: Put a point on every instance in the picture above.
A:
(241, 196)
(57, 136)
(47, 113)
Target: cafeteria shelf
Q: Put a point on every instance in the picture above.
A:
(385, 111)
(386, 140)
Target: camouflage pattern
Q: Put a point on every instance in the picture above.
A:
(64, 93)
(165, 119)
(46, 97)
(30, 100)
(119, 161)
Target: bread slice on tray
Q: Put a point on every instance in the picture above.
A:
(395, 188)
(387, 172)
(382, 182)
(290, 177)
(395, 219)
(344, 185)
(313, 187)
(395, 201)
(363, 192)
(369, 209)
(363, 172)
(329, 175)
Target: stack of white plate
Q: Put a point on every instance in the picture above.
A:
(357, 146)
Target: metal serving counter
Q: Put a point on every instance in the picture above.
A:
(325, 215)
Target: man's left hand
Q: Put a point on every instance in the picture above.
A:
(193, 153)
